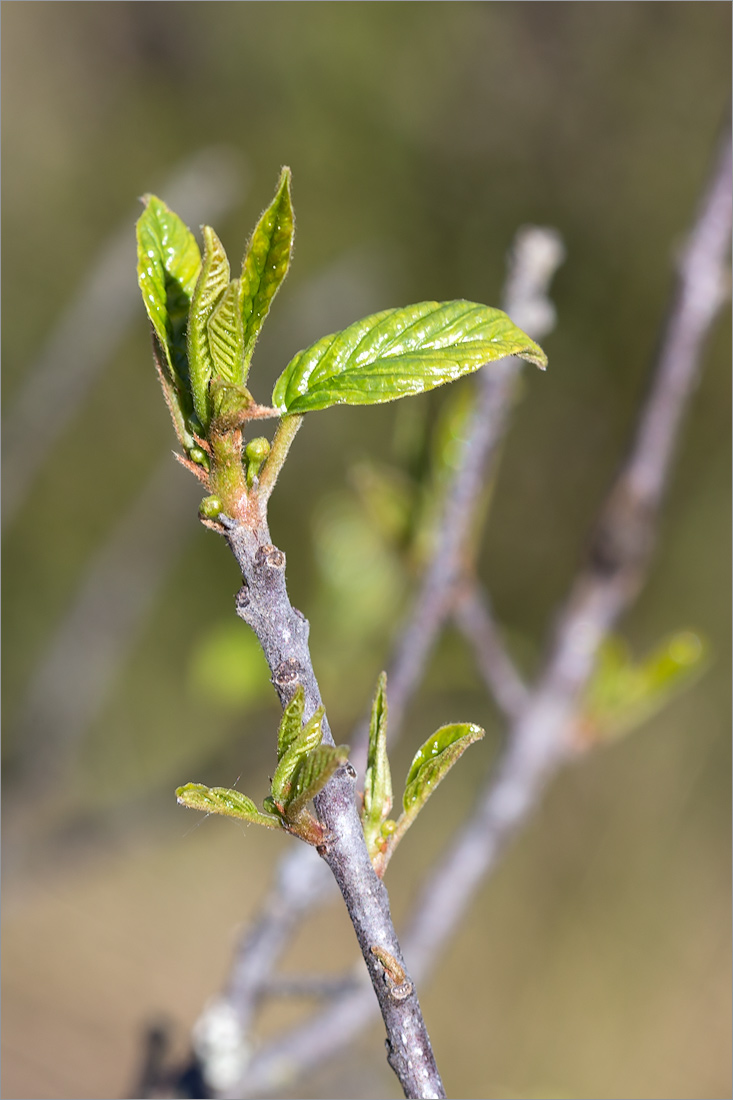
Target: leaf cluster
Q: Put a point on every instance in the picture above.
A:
(430, 765)
(304, 766)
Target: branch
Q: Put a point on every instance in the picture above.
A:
(542, 739)
(535, 257)
(282, 632)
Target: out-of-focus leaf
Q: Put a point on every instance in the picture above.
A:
(386, 494)
(291, 722)
(312, 775)
(377, 778)
(433, 760)
(623, 693)
(308, 738)
(266, 263)
(168, 264)
(212, 282)
(227, 668)
(400, 352)
(221, 800)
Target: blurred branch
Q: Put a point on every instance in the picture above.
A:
(91, 328)
(542, 738)
(473, 615)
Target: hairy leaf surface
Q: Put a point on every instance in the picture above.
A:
(400, 352)
(212, 282)
(221, 800)
(308, 738)
(291, 722)
(312, 775)
(266, 263)
(377, 778)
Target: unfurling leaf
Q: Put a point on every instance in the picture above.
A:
(307, 739)
(432, 762)
(377, 778)
(291, 722)
(399, 352)
(624, 693)
(226, 338)
(212, 283)
(266, 263)
(312, 774)
(221, 800)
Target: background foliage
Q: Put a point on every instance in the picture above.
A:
(420, 137)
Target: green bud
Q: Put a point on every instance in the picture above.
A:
(388, 827)
(195, 426)
(210, 507)
(270, 806)
(256, 452)
(199, 456)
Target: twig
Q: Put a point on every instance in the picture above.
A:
(282, 632)
(542, 739)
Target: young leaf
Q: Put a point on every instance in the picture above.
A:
(291, 722)
(226, 338)
(312, 774)
(168, 264)
(432, 762)
(221, 800)
(212, 282)
(266, 263)
(377, 778)
(399, 352)
(308, 738)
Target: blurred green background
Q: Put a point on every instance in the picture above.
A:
(596, 962)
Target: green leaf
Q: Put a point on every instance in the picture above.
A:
(291, 722)
(399, 352)
(266, 263)
(312, 775)
(168, 264)
(308, 738)
(221, 800)
(377, 779)
(226, 336)
(433, 761)
(623, 694)
(212, 283)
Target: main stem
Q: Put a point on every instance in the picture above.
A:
(282, 631)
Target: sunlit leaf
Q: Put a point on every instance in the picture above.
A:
(221, 800)
(312, 774)
(168, 264)
(291, 722)
(308, 738)
(377, 778)
(266, 263)
(212, 282)
(399, 352)
(433, 761)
